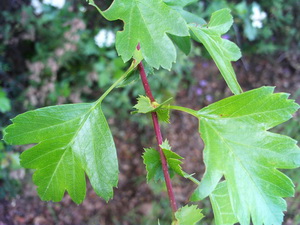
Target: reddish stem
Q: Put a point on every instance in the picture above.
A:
(159, 139)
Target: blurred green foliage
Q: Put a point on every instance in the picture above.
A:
(4, 102)
(280, 27)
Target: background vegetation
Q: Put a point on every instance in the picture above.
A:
(54, 55)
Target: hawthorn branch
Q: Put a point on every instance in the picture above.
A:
(159, 139)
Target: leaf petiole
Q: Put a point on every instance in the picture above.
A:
(191, 178)
(182, 109)
(128, 71)
(92, 3)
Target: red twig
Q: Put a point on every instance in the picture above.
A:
(159, 139)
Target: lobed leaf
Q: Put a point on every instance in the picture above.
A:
(71, 140)
(147, 23)
(222, 51)
(239, 147)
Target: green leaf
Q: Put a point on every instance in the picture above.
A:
(173, 159)
(230, 50)
(222, 51)
(153, 164)
(191, 18)
(188, 215)
(144, 105)
(221, 205)
(70, 140)
(183, 43)
(134, 76)
(178, 5)
(220, 21)
(163, 115)
(130, 79)
(4, 102)
(147, 23)
(239, 147)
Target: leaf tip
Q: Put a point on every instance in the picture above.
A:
(165, 145)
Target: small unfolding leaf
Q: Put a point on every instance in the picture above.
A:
(223, 213)
(144, 105)
(173, 159)
(147, 23)
(71, 140)
(153, 164)
(222, 51)
(188, 215)
(239, 147)
(163, 115)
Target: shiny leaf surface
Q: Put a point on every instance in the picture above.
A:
(239, 147)
(71, 140)
(153, 164)
(188, 215)
(221, 205)
(147, 22)
(222, 51)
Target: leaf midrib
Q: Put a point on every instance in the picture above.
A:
(240, 161)
(54, 172)
(53, 126)
(86, 116)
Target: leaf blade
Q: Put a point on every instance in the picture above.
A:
(222, 51)
(153, 165)
(238, 146)
(221, 21)
(221, 205)
(188, 215)
(70, 140)
(147, 23)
